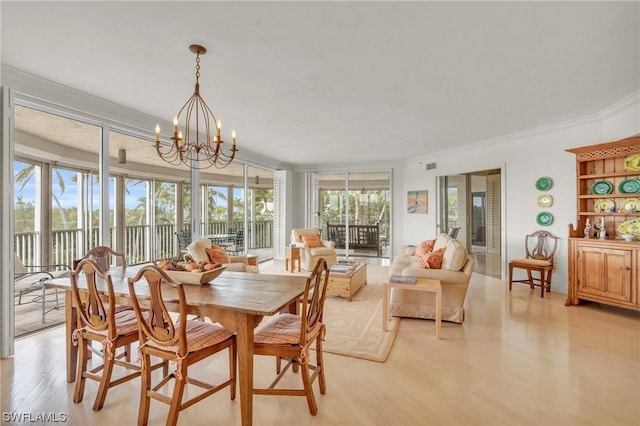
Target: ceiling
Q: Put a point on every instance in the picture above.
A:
(312, 83)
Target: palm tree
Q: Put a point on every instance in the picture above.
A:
(25, 175)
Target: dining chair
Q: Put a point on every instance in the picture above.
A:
(184, 342)
(540, 248)
(289, 337)
(104, 256)
(29, 278)
(97, 322)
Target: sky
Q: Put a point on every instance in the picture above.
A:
(69, 198)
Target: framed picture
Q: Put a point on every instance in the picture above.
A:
(417, 202)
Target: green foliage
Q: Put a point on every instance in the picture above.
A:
(367, 207)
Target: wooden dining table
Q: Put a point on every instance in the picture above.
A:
(237, 300)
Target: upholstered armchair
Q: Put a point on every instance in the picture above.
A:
(312, 248)
(197, 250)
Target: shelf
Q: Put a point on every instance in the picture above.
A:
(590, 196)
(607, 214)
(609, 175)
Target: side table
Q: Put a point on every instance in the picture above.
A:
(291, 255)
(422, 284)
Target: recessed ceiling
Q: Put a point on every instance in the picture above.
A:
(325, 82)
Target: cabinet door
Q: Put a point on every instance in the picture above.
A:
(605, 273)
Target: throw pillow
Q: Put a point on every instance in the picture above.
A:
(218, 255)
(198, 253)
(424, 247)
(432, 260)
(312, 241)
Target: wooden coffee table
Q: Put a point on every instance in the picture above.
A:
(422, 284)
(346, 285)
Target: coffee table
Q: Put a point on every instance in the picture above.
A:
(346, 285)
(422, 284)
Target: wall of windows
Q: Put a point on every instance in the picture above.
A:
(59, 194)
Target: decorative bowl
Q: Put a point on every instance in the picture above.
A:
(186, 277)
(628, 237)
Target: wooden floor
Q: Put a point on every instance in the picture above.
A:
(517, 360)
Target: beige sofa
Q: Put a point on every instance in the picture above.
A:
(309, 256)
(454, 277)
(196, 250)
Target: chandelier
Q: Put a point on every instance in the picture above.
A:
(196, 148)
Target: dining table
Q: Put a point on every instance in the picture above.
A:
(236, 300)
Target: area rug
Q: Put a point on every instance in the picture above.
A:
(355, 328)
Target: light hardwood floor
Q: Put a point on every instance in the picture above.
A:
(518, 359)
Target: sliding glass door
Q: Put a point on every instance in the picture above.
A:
(354, 212)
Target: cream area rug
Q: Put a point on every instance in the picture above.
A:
(355, 328)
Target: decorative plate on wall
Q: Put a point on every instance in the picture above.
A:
(545, 200)
(544, 183)
(629, 186)
(602, 187)
(604, 206)
(632, 163)
(544, 218)
(630, 227)
(630, 205)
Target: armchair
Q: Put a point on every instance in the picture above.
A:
(197, 251)
(314, 248)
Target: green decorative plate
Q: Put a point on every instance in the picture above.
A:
(544, 184)
(629, 186)
(602, 187)
(544, 218)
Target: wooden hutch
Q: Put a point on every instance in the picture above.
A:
(605, 270)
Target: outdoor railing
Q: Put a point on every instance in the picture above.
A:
(70, 244)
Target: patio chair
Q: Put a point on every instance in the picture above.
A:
(237, 246)
(184, 239)
(29, 278)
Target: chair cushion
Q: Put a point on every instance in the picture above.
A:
(432, 260)
(531, 262)
(424, 247)
(126, 323)
(284, 329)
(217, 254)
(199, 335)
(312, 241)
(322, 251)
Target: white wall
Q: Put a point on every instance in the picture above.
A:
(523, 158)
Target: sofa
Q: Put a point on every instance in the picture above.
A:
(309, 256)
(197, 251)
(454, 276)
